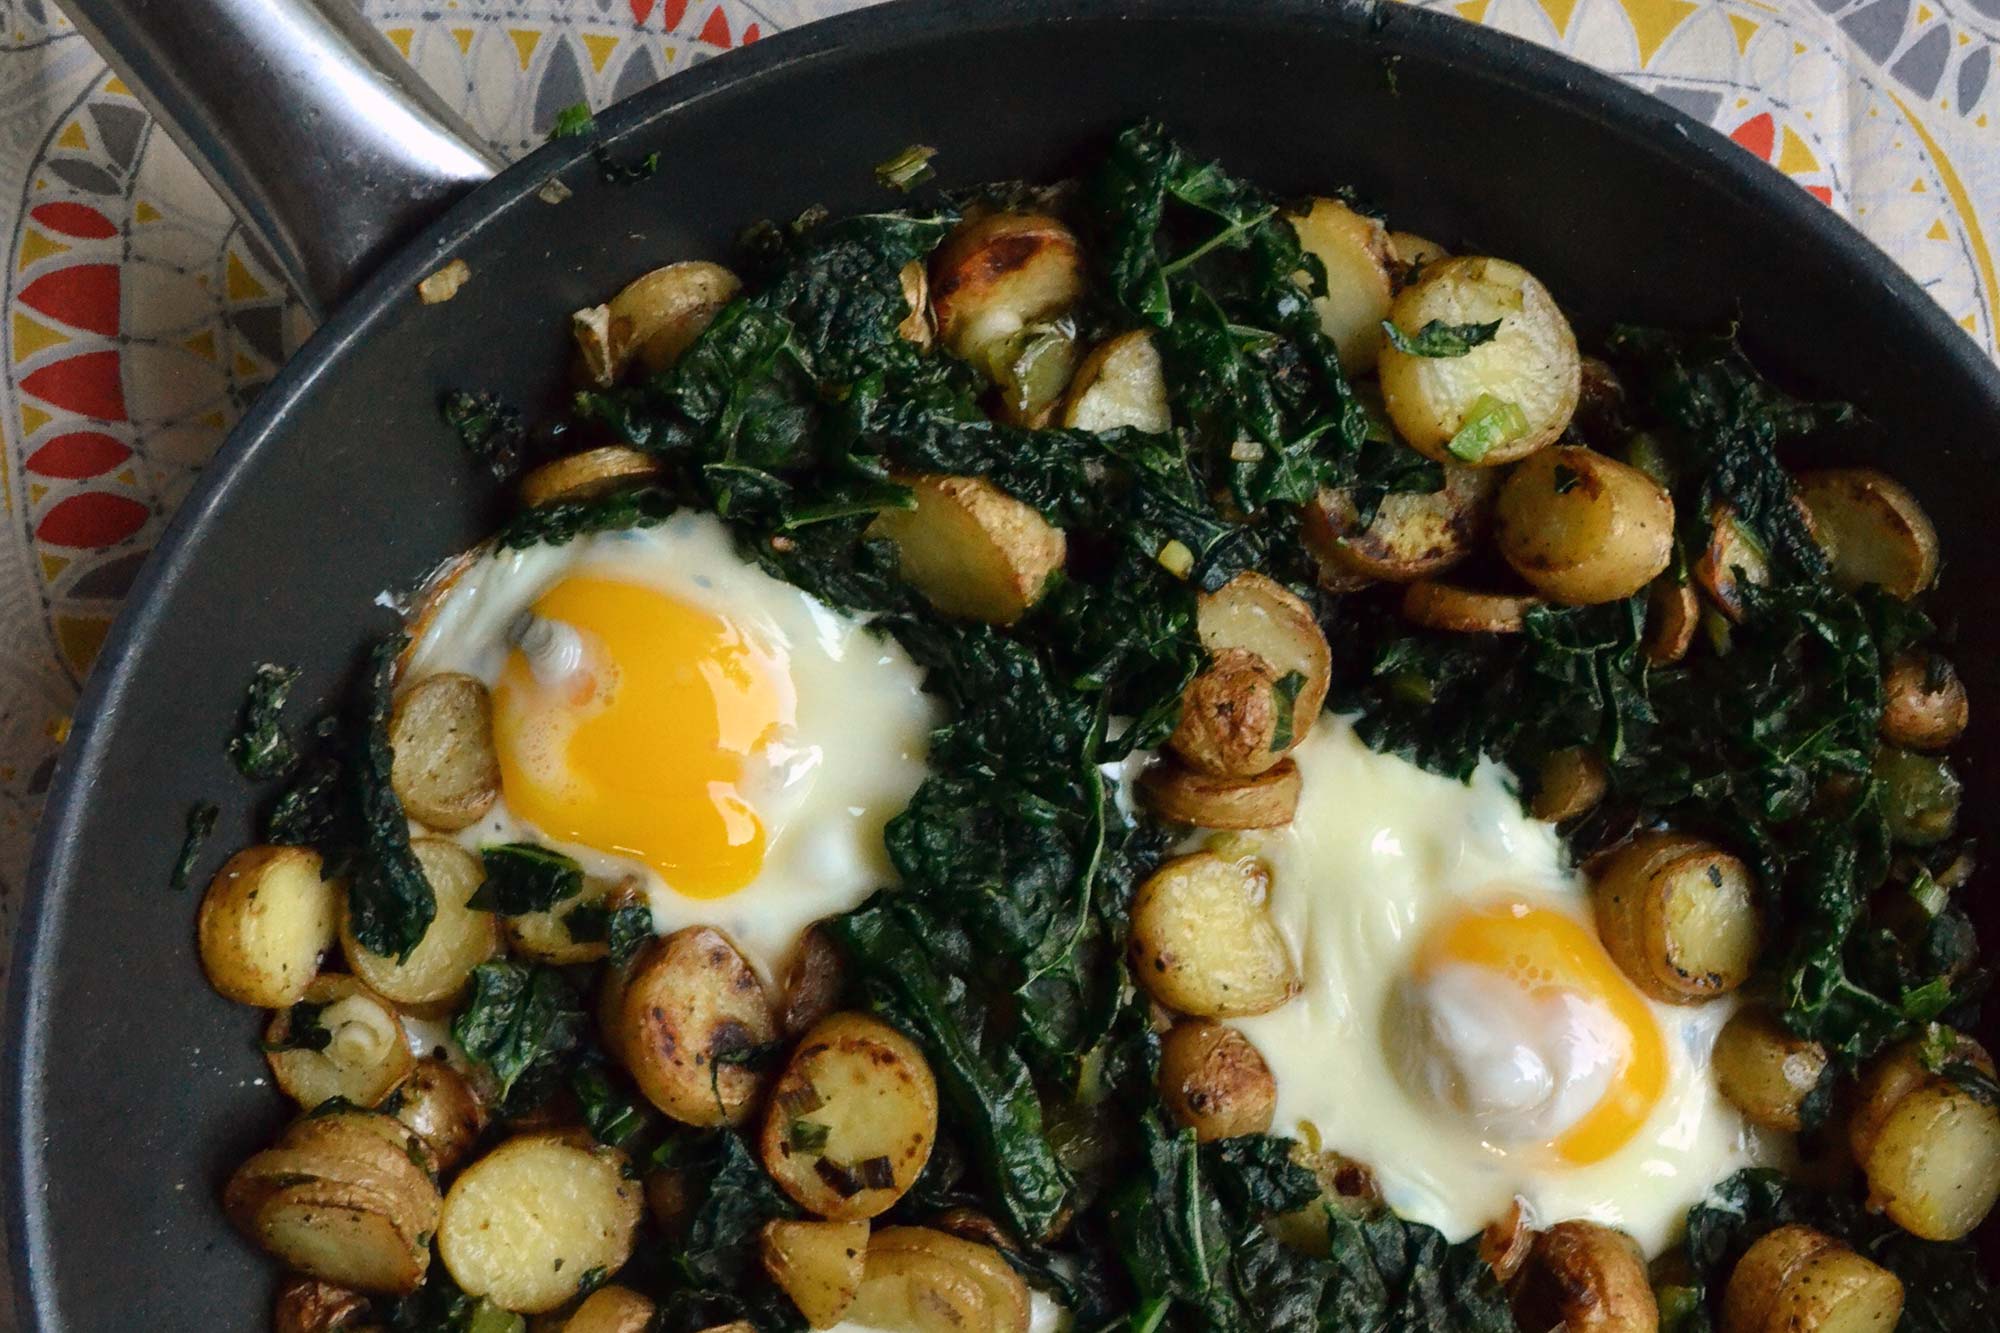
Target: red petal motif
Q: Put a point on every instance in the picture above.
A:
(92, 519)
(80, 454)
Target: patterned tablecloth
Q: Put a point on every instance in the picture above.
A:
(140, 319)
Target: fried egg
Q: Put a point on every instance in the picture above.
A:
(1462, 1031)
(665, 710)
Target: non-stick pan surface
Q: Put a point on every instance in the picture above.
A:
(131, 1088)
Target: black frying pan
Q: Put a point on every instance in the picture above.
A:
(131, 1089)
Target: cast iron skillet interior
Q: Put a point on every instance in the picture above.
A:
(132, 1088)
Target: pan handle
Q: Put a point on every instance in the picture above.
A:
(317, 133)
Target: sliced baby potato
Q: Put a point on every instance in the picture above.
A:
(459, 938)
(1121, 383)
(1413, 535)
(1265, 683)
(1680, 920)
(1733, 559)
(1505, 398)
(1924, 704)
(813, 983)
(1582, 528)
(1584, 1278)
(342, 1235)
(1571, 783)
(444, 768)
(1181, 795)
(264, 922)
(1457, 610)
(1214, 1081)
(682, 1017)
(993, 276)
(1203, 942)
(851, 1120)
(1765, 1071)
(341, 1040)
(653, 319)
(916, 326)
(818, 1264)
(612, 1310)
(1673, 614)
(307, 1305)
(1798, 1280)
(1929, 1147)
(1876, 530)
(525, 1223)
(586, 475)
(919, 1280)
(441, 1109)
(972, 549)
(1354, 248)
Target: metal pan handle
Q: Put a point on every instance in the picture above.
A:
(314, 129)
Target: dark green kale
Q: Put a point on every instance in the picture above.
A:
(573, 122)
(260, 748)
(491, 431)
(711, 1255)
(201, 818)
(524, 1022)
(309, 811)
(564, 521)
(612, 1108)
(625, 929)
(523, 877)
(390, 903)
(303, 1030)
(1439, 339)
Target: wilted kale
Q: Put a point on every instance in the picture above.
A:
(523, 877)
(260, 748)
(390, 903)
(491, 431)
(201, 818)
(303, 1030)
(1439, 339)
(524, 1022)
(624, 929)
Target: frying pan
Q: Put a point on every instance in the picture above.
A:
(130, 1088)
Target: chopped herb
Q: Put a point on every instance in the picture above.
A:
(1284, 700)
(260, 748)
(807, 1135)
(201, 818)
(907, 169)
(303, 1030)
(1439, 339)
(522, 877)
(573, 122)
(1488, 424)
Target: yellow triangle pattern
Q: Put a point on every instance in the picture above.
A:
(116, 87)
(600, 45)
(32, 336)
(36, 246)
(1925, 13)
(463, 36)
(52, 565)
(1917, 187)
(243, 287)
(215, 421)
(202, 345)
(245, 366)
(1937, 232)
(80, 639)
(525, 42)
(36, 491)
(33, 419)
(1745, 29)
(1653, 21)
(145, 212)
(1970, 323)
(127, 478)
(1474, 10)
(1559, 12)
(1794, 157)
(73, 136)
(400, 38)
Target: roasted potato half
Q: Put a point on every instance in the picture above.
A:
(917, 1280)
(1874, 528)
(1121, 383)
(459, 938)
(652, 320)
(1929, 1147)
(1203, 943)
(1797, 1280)
(1584, 1278)
(995, 275)
(524, 1224)
(1571, 783)
(1679, 918)
(1582, 528)
(307, 1305)
(1214, 1081)
(608, 1310)
(851, 1120)
(972, 549)
(1265, 683)
(1505, 398)
(818, 1264)
(586, 475)
(264, 922)
(1766, 1072)
(681, 1016)
(441, 1108)
(1924, 704)
(1449, 607)
(340, 1040)
(812, 983)
(1412, 535)
(1732, 559)
(444, 768)
(1180, 795)
(1673, 614)
(1354, 248)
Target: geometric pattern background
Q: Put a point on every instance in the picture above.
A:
(140, 319)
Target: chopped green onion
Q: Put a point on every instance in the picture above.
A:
(1491, 423)
(908, 168)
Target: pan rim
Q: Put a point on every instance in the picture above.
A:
(1651, 127)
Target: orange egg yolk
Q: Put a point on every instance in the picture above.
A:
(638, 741)
(1538, 952)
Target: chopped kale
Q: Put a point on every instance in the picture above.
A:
(491, 431)
(201, 818)
(524, 1022)
(563, 521)
(303, 1030)
(1439, 339)
(523, 877)
(260, 748)
(625, 929)
(390, 904)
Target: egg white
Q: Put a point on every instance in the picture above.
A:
(1379, 851)
(853, 761)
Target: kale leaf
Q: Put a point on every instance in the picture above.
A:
(1439, 339)
(200, 825)
(523, 877)
(524, 1022)
(260, 748)
(491, 431)
(390, 903)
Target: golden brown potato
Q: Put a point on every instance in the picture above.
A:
(1584, 1278)
(917, 1280)
(1797, 1280)
(1680, 920)
(1355, 250)
(851, 1119)
(444, 768)
(442, 1109)
(652, 320)
(1673, 614)
(545, 937)
(1180, 795)
(1214, 1081)
(1924, 705)
(1733, 558)
(1345, 1186)
(972, 549)
(340, 1040)
(1506, 1242)
(1265, 683)
(1121, 383)
(1571, 783)
(1203, 943)
(1765, 1071)
(817, 1264)
(1505, 398)
(1413, 253)
(524, 1224)
(1446, 606)
(459, 938)
(586, 475)
(995, 275)
(1876, 530)
(812, 984)
(307, 1305)
(916, 326)
(1582, 528)
(611, 1310)
(1412, 535)
(682, 1017)
(264, 922)
(1930, 1149)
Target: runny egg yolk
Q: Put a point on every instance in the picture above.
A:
(627, 722)
(1531, 1028)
